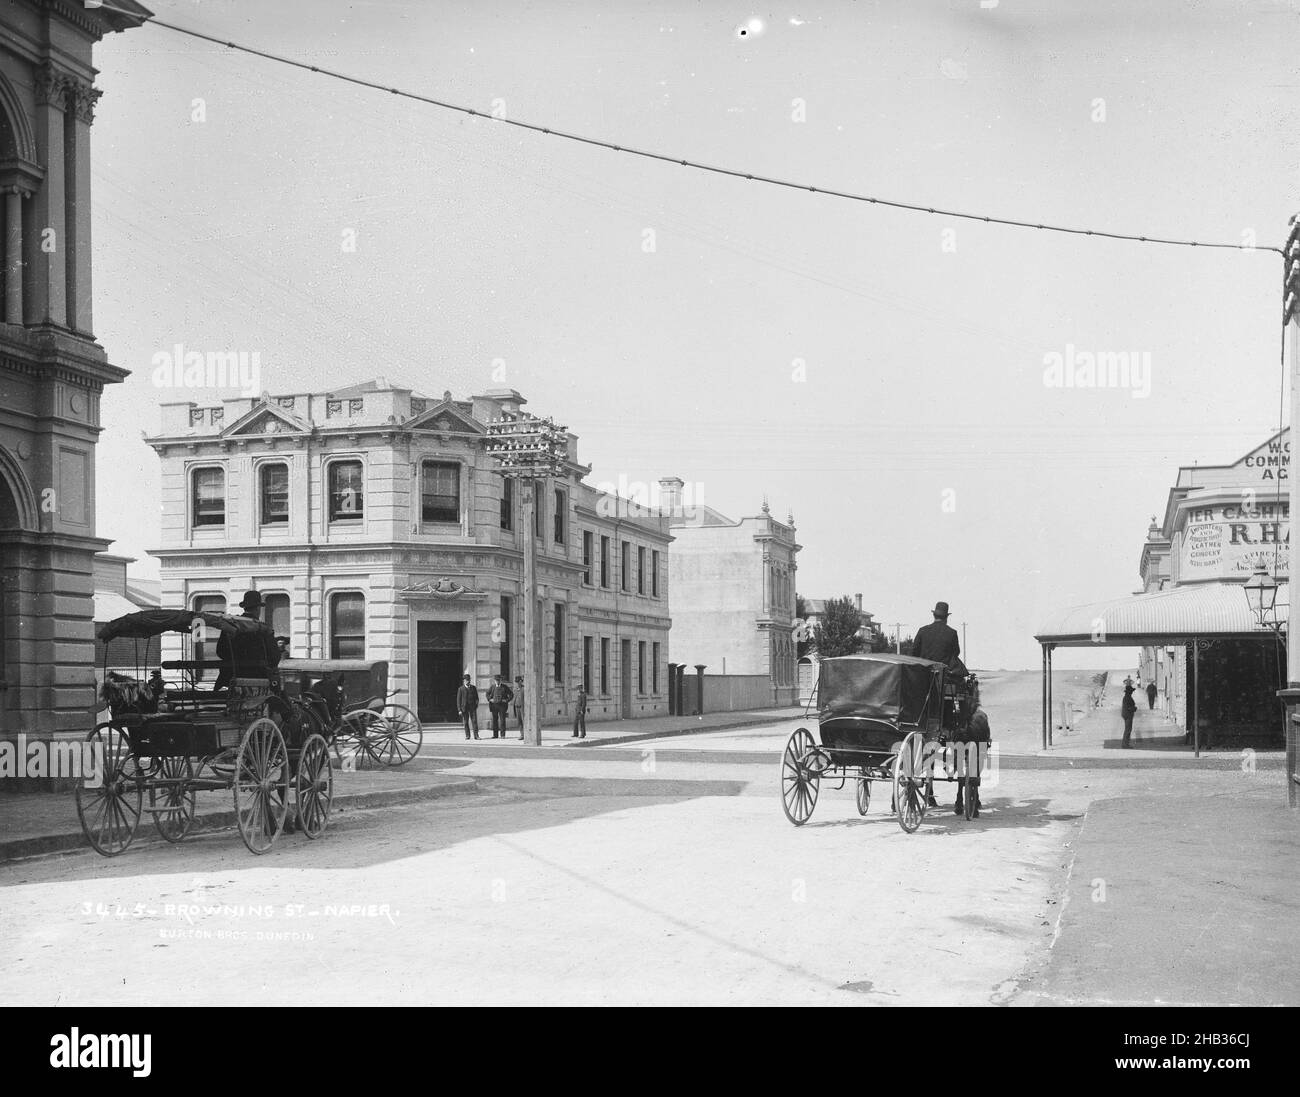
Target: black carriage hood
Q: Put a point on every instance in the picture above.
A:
(881, 687)
(154, 622)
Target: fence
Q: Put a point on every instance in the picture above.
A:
(736, 693)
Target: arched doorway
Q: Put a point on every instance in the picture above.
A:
(807, 679)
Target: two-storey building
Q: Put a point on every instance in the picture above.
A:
(375, 525)
(733, 586)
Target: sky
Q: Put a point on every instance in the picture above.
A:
(882, 374)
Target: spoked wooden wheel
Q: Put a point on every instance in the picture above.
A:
(172, 804)
(261, 785)
(364, 732)
(863, 795)
(405, 735)
(313, 786)
(110, 812)
(968, 803)
(799, 785)
(909, 782)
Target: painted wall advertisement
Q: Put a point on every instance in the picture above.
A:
(1229, 541)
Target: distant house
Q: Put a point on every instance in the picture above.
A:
(732, 584)
(814, 611)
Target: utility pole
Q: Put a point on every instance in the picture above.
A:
(898, 637)
(527, 449)
(965, 652)
(1291, 318)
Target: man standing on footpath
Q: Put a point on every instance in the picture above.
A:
(519, 703)
(580, 714)
(467, 705)
(499, 696)
(1128, 709)
(1151, 695)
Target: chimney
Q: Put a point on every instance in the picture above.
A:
(858, 598)
(670, 494)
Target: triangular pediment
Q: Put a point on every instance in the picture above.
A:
(263, 419)
(444, 415)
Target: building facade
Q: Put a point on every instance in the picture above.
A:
(1221, 522)
(733, 584)
(52, 371)
(375, 525)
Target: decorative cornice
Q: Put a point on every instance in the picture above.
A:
(444, 590)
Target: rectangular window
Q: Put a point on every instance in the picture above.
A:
(654, 668)
(275, 494)
(507, 618)
(507, 502)
(347, 495)
(604, 666)
(209, 497)
(588, 539)
(440, 491)
(640, 569)
(640, 666)
(654, 573)
(604, 562)
(586, 663)
(561, 517)
(207, 652)
(625, 567)
(276, 614)
(538, 509)
(559, 642)
(348, 626)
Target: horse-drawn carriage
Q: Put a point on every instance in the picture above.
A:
(889, 718)
(347, 701)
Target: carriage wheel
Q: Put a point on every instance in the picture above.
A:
(968, 801)
(366, 732)
(313, 786)
(909, 782)
(864, 795)
(173, 806)
(798, 785)
(109, 813)
(405, 735)
(261, 784)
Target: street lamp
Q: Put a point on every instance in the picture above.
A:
(527, 448)
(1261, 594)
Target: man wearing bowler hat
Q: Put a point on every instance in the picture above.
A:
(248, 654)
(937, 640)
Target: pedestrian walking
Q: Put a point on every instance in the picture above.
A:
(1151, 695)
(580, 714)
(467, 705)
(1128, 709)
(519, 703)
(499, 697)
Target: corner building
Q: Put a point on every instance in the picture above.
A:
(374, 523)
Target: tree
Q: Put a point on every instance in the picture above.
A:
(837, 631)
(802, 642)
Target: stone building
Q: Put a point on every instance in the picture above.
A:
(374, 523)
(52, 371)
(733, 585)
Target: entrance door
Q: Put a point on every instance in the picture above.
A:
(439, 663)
(625, 679)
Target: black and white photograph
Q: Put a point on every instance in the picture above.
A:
(580, 503)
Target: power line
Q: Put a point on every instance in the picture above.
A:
(550, 131)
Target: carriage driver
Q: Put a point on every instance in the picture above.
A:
(938, 642)
(248, 655)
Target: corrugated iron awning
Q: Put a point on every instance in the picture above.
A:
(1162, 617)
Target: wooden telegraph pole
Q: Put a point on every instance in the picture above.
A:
(1291, 320)
(527, 450)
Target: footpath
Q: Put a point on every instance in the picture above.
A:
(46, 822)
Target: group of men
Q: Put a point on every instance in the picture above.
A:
(499, 698)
